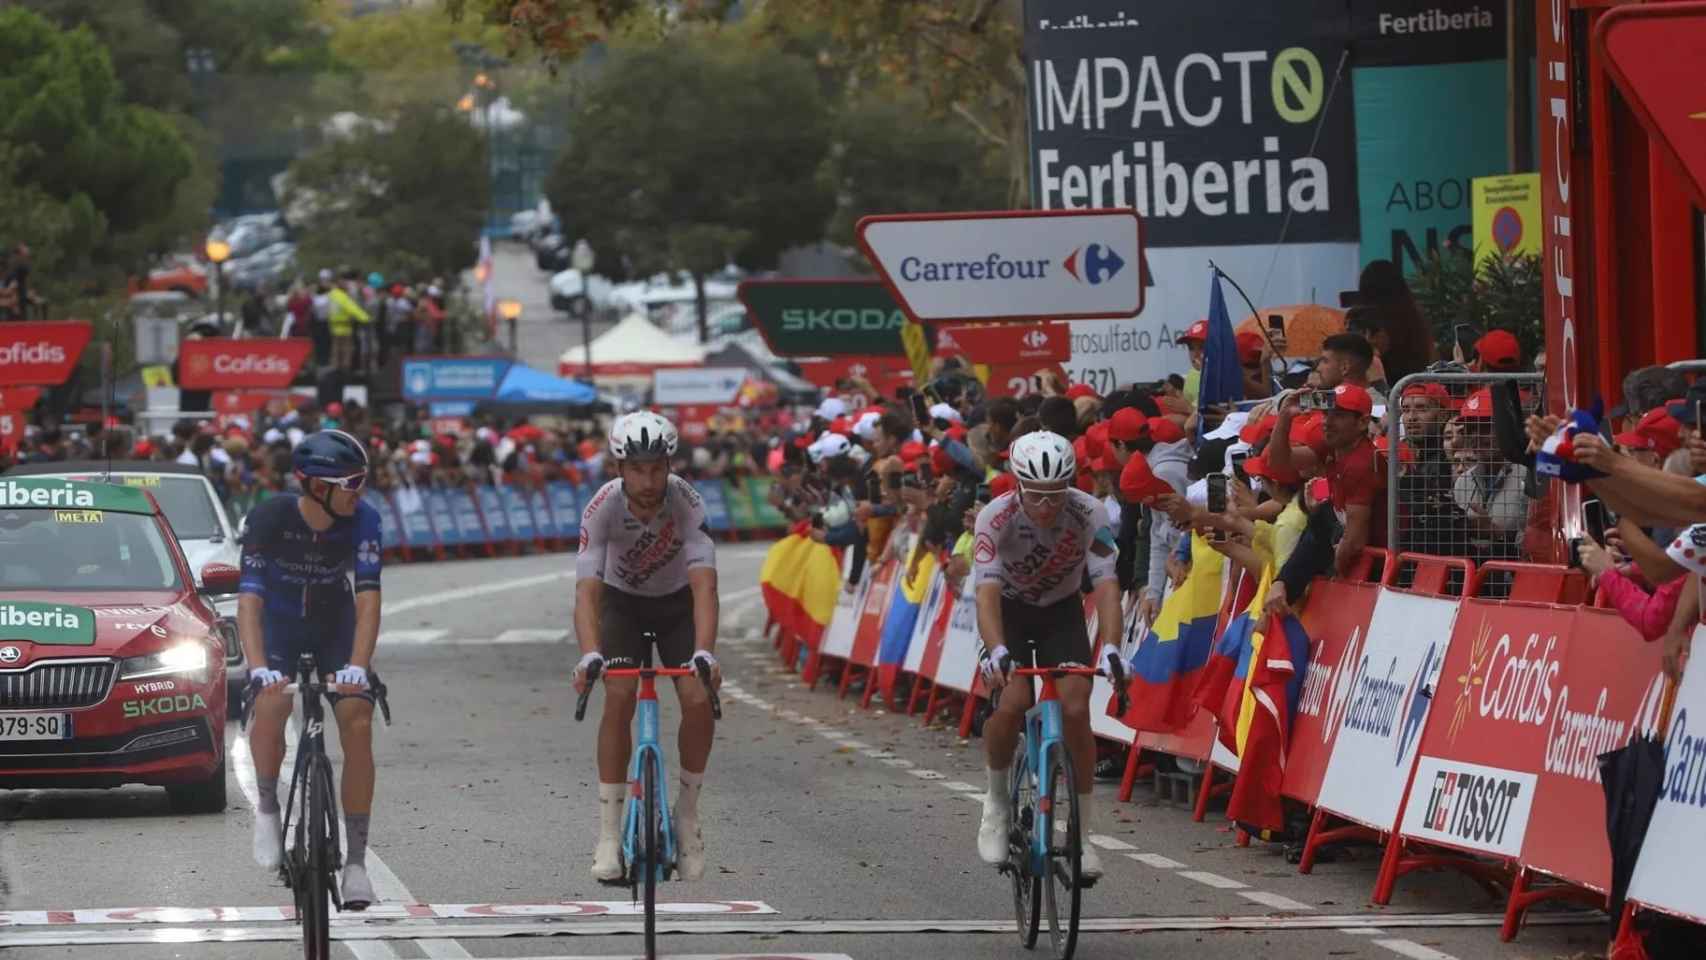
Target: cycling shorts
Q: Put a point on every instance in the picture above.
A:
(1057, 633)
(330, 638)
(624, 619)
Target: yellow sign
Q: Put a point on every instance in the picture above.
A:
(79, 516)
(917, 352)
(142, 481)
(157, 376)
(1506, 216)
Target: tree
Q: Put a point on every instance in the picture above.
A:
(406, 197)
(1504, 292)
(692, 155)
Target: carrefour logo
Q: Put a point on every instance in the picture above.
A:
(1100, 264)
(1036, 339)
(992, 267)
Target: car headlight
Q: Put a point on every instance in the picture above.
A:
(185, 659)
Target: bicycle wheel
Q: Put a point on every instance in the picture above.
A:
(652, 855)
(1064, 868)
(314, 893)
(1022, 807)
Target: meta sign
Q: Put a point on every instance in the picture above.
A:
(41, 354)
(222, 364)
(1010, 264)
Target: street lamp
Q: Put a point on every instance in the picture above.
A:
(219, 251)
(510, 310)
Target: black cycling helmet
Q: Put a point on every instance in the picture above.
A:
(329, 453)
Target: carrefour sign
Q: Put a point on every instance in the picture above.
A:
(1010, 265)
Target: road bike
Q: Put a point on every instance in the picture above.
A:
(1045, 841)
(310, 820)
(648, 834)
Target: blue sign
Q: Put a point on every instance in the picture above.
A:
(492, 508)
(520, 518)
(453, 378)
(390, 535)
(716, 509)
(546, 518)
(467, 516)
(443, 517)
(417, 523)
(565, 506)
(452, 408)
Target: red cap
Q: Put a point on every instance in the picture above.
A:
(1096, 439)
(1250, 344)
(1138, 483)
(143, 450)
(1405, 454)
(956, 432)
(334, 409)
(1352, 398)
(1107, 463)
(1433, 391)
(940, 461)
(1258, 430)
(1003, 483)
(1127, 424)
(1260, 467)
(1499, 350)
(1079, 390)
(841, 425)
(1479, 406)
(587, 449)
(1658, 431)
(1310, 431)
(1163, 430)
(910, 451)
(1081, 449)
(1197, 331)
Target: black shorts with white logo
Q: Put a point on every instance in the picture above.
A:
(626, 618)
(1056, 634)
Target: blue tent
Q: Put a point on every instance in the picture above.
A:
(525, 389)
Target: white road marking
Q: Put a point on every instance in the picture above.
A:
(1214, 880)
(392, 638)
(1110, 843)
(834, 735)
(928, 774)
(900, 762)
(1156, 860)
(1363, 931)
(973, 797)
(1413, 950)
(856, 745)
(468, 593)
(554, 635)
(877, 754)
(1274, 900)
(962, 787)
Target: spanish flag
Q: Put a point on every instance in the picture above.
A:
(1279, 660)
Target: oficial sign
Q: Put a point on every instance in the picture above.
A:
(825, 318)
(41, 354)
(223, 364)
(1011, 264)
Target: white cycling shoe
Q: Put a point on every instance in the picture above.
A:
(269, 852)
(607, 860)
(690, 849)
(1089, 864)
(992, 833)
(355, 890)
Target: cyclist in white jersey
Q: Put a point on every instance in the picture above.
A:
(647, 565)
(1032, 550)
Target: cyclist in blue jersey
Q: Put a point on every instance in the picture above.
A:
(299, 554)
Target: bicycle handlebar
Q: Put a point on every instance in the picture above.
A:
(374, 686)
(598, 671)
(1117, 678)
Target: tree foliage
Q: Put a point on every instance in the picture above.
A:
(692, 155)
(406, 197)
(1506, 292)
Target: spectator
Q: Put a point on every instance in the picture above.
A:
(1432, 521)
(1489, 490)
(1497, 352)
(345, 315)
(1649, 387)
(1346, 358)
(1059, 415)
(993, 435)
(1195, 339)
(1352, 466)
(322, 300)
(1406, 345)
(299, 312)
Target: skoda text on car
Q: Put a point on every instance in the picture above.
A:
(110, 661)
(198, 521)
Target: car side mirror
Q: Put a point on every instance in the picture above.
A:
(220, 578)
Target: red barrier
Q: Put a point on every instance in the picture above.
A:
(1336, 618)
(868, 635)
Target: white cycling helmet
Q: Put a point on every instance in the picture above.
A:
(642, 435)
(1042, 458)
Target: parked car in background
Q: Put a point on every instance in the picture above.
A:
(251, 233)
(575, 294)
(270, 266)
(178, 273)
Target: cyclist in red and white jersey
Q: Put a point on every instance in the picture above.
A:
(1032, 550)
(647, 565)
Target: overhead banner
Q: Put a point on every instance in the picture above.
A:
(1008, 342)
(697, 385)
(41, 354)
(1010, 264)
(452, 378)
(825, 318)
(220, 364)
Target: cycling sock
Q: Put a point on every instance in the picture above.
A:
(610, 799)
(355, 831)
(687, 804)
(998, 785)
(268, 800)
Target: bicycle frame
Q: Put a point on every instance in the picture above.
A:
(647, 750)
(1043, 736)
(310, 745)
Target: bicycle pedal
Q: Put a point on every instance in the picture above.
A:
(618, 882)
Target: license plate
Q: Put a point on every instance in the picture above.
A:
(35, 726)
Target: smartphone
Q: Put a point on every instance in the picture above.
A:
(983, 493)
(920, 408)
(1217, 493)
(873, 488)
(1276, 323)
(1238, 468)
(910, 482)
(894, 481)
(925, 473)
(1594, 515)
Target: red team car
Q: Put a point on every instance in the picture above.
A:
(111, 668)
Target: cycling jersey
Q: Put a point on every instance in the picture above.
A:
(299, 571)
(645, 559)
(1043, 566)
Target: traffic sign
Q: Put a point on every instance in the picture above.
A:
(825, 318)
(1010, 264)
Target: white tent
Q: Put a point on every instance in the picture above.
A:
(630, 351)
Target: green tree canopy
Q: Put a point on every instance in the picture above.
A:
(406, 197)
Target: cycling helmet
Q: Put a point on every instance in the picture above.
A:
(642, 435)
(1042, 457)
(329, 453)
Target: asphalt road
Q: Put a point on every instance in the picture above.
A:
(850, 825)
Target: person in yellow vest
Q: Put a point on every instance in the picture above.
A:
(346, 312)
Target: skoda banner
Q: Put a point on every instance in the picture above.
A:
(822, 318)
(217, 364)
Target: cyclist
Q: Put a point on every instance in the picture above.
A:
(647, 565)
(1032, 550)
(298, 555)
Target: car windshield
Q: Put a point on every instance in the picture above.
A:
(188, 506)
(83, 550)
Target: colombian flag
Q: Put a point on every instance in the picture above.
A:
(1228, 671)
(1171, 656)
(1279, 660)
(903, 617)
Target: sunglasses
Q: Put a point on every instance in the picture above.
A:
(1044, 499)
(350, 484)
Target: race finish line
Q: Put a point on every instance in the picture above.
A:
(752, 923)
(552, 910)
